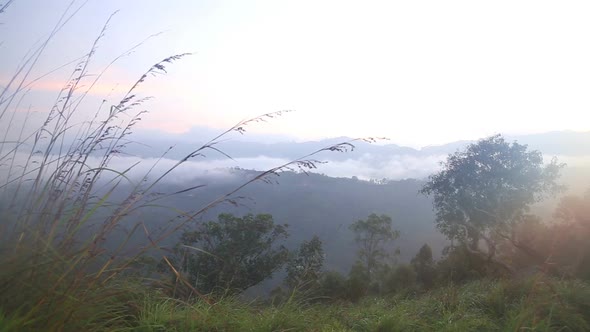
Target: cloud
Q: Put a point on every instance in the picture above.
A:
(395, 167)
(368, 166)
(217, 171)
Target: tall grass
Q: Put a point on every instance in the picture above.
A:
(56, 271)
(485, 305)
(50, 275)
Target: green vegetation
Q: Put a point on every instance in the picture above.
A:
(484, 192)
(538, 304)
(371, 235)
(231, 254)
(305, 267)
(76, 253)
(423, 264)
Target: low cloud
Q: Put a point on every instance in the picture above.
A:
(366, 167)
(394, 167)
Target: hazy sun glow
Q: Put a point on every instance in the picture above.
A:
(418, 72)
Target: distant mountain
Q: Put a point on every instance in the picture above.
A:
(366, 161)
(565, 143)
(151, 145)
(568, 143)
(312, 205)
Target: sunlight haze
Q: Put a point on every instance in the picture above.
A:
(418, 72)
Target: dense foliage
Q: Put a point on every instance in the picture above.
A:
(371, 235)
(484, 192)
(232, 253)
(305, 267)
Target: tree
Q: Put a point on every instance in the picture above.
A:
(371, 235)
(232, 253)
(401, 279)
(304, 269)
(570, 246)
(358, 282)
(483, 192)
(423, 264)
(562, 244)
(333, 285)
(459, 265)
(574, 209)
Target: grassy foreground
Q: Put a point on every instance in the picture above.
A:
(529, 305)
(536, 304)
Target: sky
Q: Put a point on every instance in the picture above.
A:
(418, 72)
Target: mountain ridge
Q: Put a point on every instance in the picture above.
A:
(568, 143)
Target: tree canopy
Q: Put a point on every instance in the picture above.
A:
(423, 264)
(482, 192)
(371, 235)
(305, 267)
(232, 253)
